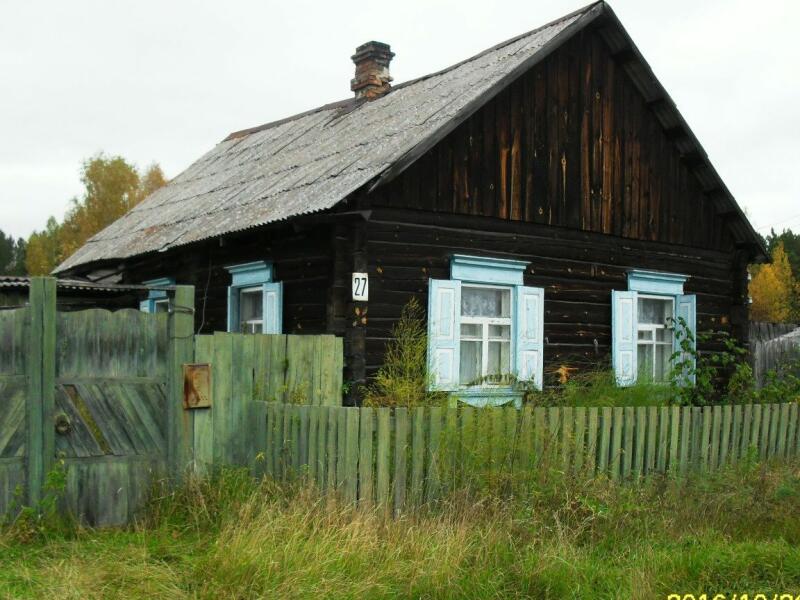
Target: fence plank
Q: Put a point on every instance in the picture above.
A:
(747, 428)
(341, 450)
(716, 427)
(383, 457)
(736, 432)
(579, 447)
(313, 441)
(605, 440)
(305, 426)
(772, 447)
(629, 422)
(417, 455)
(674, 436)
(433, 468)
(782, 429)
(452, 439)
(592, 439)
(400, 456)
(725, 439)
(539, 433)
(791, 433)
(221, 381)
(618, 415)
(332, 446)
(365, 459)
(204, 417)
(755, 429)
(640, 441)
(351, 478)
(686, 438)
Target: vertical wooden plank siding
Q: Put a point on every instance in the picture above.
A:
(400, 455)
(433, 468)
(365, 457)
(417, 455)
(383, 457)
(605, 440)
(181, 351)
(616, 441)
(41, 383)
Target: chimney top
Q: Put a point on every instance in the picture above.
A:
(372, 79)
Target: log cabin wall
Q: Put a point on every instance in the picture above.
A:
(301, 257)
(573, 144)
(569, 169)
(578, 271)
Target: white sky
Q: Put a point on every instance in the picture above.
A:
(164, 81)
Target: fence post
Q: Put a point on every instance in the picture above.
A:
(180, 425)
(41, 373)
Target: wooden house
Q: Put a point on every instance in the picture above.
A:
(544, 199)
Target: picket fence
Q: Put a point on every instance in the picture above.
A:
(403, 457)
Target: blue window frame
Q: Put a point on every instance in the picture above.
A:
(255, 302)
(642, 328)
(485, 330)
(157, 299)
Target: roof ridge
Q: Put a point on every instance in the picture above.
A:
(354, 102)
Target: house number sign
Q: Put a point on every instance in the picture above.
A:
(360, 287)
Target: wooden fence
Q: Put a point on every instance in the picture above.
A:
(773, 345)
(400, 457)
(101, 393)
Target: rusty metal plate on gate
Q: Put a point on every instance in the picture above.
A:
(197, 385)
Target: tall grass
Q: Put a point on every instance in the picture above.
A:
(231, 537)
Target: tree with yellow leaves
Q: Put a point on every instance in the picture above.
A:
(113, 187)
(774, 290)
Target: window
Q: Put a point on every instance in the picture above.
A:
(251, 310)
(643, 321)
(655, 337)
(157, 300)
(485, 335)
(254, 301)
(484, 328)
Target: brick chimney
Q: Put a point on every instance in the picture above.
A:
(372, 78)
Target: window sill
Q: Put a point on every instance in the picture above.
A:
(481, 397)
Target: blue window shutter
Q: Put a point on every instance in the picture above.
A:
(529, 328)
(144, 306)
(273, 307)
(233, 309)
(623, 336)
(444, 349)
(687, 310)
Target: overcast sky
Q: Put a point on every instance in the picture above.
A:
(165, 81)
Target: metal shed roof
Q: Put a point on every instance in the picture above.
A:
(312, 161)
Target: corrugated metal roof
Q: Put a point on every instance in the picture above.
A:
(312, 161)
(308, 163)
(13, 281)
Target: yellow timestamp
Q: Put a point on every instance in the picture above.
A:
(734, 596)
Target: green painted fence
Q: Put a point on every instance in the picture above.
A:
(401, 458)
(100, 393)
(305, 370)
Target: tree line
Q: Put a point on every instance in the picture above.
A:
(775, 286)
(112, 186)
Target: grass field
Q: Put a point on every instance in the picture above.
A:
(227, 537)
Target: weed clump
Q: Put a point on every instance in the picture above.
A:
(403, 378)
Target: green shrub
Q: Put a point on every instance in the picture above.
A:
(403, 378)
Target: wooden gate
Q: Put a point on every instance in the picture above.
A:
(110, 409)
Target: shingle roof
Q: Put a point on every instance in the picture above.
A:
(312, 161)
